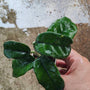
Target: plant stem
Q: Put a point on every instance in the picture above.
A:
(35, 54)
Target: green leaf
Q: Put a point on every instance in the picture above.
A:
(15, 50)
(59, 52)
(20, 67)
(53, 39)
(47, 74)
(53, 44)
(64, 26)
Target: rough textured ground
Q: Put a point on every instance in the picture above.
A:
(7, 82)
(29, 81)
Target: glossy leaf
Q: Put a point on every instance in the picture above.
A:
(64, 26)
(15, 50)
(55, 51)
(52, 44)
(53, 39)
(20, 67)
(47, 74)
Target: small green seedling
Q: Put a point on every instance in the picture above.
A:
(50, 45)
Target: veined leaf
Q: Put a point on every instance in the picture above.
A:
(53, 39)
(47, 74)
(54, 51)
(53, 44)
(64, 26)
(15, 50)
(20, 67)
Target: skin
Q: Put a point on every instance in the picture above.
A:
(76, 72)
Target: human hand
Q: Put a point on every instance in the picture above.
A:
(77, 73)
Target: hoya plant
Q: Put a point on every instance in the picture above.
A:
(50, 45)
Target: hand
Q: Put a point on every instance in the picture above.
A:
(76, 72)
